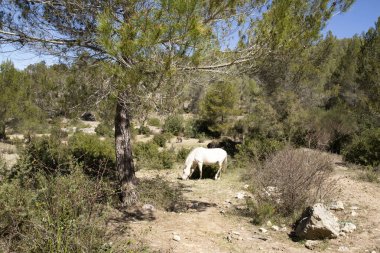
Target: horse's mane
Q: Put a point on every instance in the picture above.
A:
(190, 156)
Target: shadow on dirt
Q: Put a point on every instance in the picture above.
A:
(159, 194)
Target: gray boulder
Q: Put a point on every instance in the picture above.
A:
(317, 223)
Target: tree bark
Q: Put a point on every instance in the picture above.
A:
(124, 158)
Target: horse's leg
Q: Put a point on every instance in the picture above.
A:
(200, 170)
(219, 172)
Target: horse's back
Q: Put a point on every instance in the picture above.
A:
(210, 155)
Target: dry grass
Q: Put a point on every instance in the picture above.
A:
(292, 179)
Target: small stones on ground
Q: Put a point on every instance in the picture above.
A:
(148, 207)
(348, 227)
(246, 186)
(233, 235)
(269, 223)
(275, 228)
(263, 230)
(337, 206)
(343, 249)
(312, 244)
(354, 214)
(354, 208)
(240, 195)
(176, 238)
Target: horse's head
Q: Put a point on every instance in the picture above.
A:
(186, 172)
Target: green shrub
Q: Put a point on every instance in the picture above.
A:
(144, 130)
(167, 159)
(174, 124)
(370, 175)
(62, 214)
(154, 122)
(260, 212)
(96, 156)
(148, 156)
(104, 129)
(46, 155)
(182, 154)
(161, 139)
(257, 150)
(58, 133)
(365, 148)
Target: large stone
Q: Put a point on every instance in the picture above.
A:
(317, 223)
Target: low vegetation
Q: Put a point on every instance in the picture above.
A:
(289, 181)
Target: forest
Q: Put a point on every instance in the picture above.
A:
(165, 71)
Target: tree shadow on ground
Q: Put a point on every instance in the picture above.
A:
(160, 194)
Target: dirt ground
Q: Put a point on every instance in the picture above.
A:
(212, 224)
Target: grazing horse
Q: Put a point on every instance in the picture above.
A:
(202, 156)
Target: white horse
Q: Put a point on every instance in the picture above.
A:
(202, 156)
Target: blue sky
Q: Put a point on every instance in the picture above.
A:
(362, 15)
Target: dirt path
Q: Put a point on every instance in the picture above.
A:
(210, 224)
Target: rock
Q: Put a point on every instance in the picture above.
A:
(343, 249)
(246, 186)
(240, 195)
(176, 238)
(348, 227)
(263, 230)
(354, 208)
(275, 228)
(269, 223)
(317, 223)
(235, 233)
(353, 213)
(148, 207)
(88, 116)
(229, 238)
(337, 206)
(311, 244)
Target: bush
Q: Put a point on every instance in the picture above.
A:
(144, 130)
(96, 156)
(365, 148)
(58, 133)
(292, 179)
(105, 130)
(148, 156)
(161, 139)
(173, 124)
(154, 122)
(46, 155)
(256, 150)
(182, 154)
(63, 214)
(371, 175)
(167, 159)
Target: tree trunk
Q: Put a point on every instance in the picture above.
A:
(124, 158)
(2, 131)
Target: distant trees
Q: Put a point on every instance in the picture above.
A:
(219, 105)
